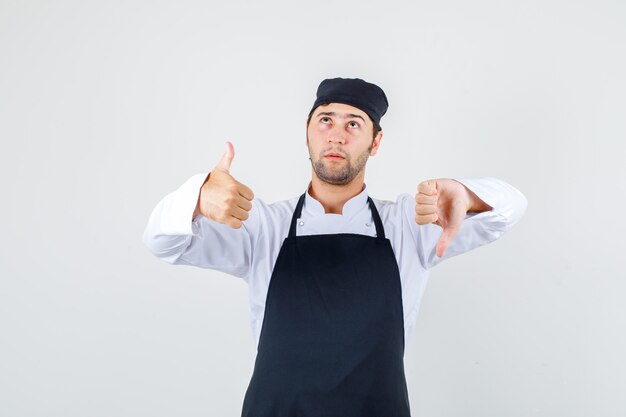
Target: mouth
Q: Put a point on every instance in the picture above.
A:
(334, 156)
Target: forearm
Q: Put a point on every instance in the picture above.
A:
(196, 211)
(506, 204)
(170, 227)
(176, 234)
(475, 204)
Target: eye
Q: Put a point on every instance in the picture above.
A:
(354, 125)
(325, 120)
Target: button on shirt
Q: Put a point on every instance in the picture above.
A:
(251, 251)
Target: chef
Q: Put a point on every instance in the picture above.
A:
(335, 276)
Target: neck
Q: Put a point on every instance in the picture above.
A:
(333, 197)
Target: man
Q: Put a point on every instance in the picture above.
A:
(335, 276)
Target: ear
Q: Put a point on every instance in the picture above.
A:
(306, 132)
(376, 143)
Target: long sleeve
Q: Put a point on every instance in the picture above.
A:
(173, 236)
(508, 205)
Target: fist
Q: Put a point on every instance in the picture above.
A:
(222, 198)
(443, 202)
(426, 201)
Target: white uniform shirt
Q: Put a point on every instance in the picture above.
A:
(251, 251)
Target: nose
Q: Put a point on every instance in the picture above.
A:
(336, 136)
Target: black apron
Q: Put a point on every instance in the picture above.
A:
(332, 339)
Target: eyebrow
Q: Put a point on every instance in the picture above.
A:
(345, 116)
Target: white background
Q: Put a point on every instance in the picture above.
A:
(105, 107)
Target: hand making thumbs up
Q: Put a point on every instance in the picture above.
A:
(445, 202)
(223, 198)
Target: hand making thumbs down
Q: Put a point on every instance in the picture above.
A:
(223, 198)
(445, 202)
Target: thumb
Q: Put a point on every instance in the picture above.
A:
(447, 236)
(227, 158)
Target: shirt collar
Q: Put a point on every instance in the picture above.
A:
(351, 206)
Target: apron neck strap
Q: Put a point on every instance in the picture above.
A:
(380, 230)
(296, 215)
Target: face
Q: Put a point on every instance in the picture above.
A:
(339, 138)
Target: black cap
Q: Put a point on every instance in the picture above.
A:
(353, 91)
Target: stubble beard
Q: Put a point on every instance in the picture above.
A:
(341, 176)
